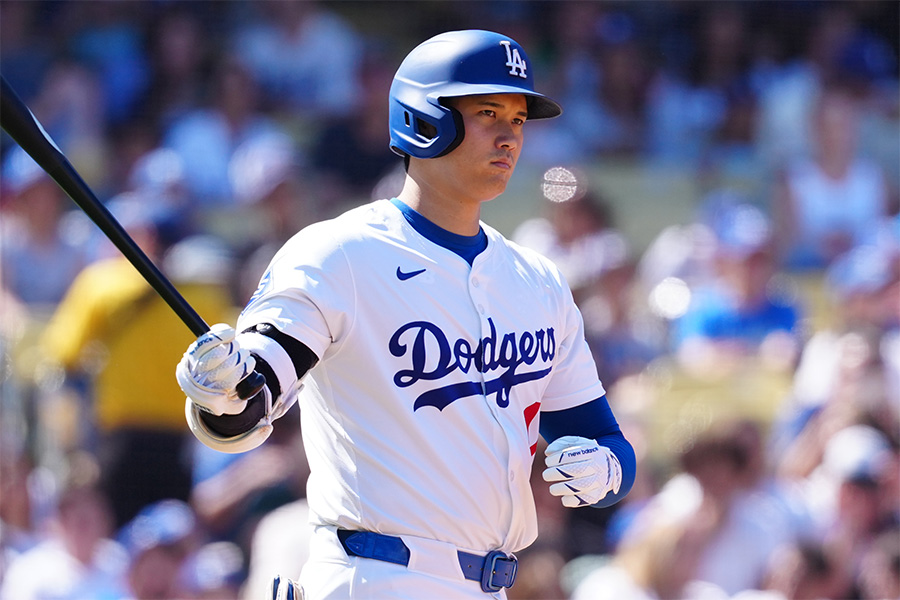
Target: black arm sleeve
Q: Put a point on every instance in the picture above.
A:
(301, 356)
(303, 360)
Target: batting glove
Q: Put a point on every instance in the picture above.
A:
(584, 471)
(211, 369)
(283, 588)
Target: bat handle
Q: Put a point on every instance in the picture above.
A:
(251, 385)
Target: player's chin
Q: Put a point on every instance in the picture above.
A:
(491, 192)
(495, 182)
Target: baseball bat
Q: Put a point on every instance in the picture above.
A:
(24, 128)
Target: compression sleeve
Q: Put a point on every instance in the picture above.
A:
(594, 420)
(303, 360)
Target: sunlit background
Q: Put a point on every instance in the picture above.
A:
(721, 194)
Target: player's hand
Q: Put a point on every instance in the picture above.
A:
(211, 369)
(582, 471)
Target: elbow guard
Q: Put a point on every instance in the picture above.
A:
(236, 444)
(247, 440)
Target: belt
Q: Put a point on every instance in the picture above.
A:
(495, 571)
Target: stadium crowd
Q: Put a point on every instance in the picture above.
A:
(750, 347)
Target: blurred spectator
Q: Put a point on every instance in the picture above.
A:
(835, 43)
(159, 540)
(846, 492)
(106, 37)
(659, 564)
(274, 202)
(265, 174)
(305, 56)
(70, 108)
(676, 261)
(784, 125)
(206, 138)
(833, 200)
(689, 105)
(214, 571)
(179, 61)
(38, 263)
(682, 257)
(78, 559)
(18, 518)
(153, 190)
(157, 176)
(360, 135)
(24, 55)
(533, 582)
(799, 571)
(879, 573)
(108, 315)
(716, 498)
(606, 77)
(621, 334)
(848, 363)
(274, 553)
(575, 230)
(232, 492)
(573, 80)
(742, 312)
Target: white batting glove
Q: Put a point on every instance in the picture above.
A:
(283, 588)
(584, 470)
(211, 369)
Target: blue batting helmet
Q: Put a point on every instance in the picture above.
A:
(452, 64)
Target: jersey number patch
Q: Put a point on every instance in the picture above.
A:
(514, 60)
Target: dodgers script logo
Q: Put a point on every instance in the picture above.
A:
(504, 356)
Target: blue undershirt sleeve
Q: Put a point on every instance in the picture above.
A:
(594, 420)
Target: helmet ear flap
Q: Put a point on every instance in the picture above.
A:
(423, 133)
(460, 127)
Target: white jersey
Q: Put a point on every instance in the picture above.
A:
(421, 416)
(853, 204)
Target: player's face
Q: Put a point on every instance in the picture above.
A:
(480, 167)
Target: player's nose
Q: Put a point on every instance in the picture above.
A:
(508, 138)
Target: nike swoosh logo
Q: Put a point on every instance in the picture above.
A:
(404, 276)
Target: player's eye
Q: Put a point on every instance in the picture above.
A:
(518, 121)
(489, 112)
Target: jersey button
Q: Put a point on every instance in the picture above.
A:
(512, 475)
(481, 309)
(474, 282)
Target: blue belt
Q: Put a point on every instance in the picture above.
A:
(495, 571)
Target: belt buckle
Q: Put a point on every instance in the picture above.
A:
(490, 564)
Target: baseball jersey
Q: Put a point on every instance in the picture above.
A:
(421, 416)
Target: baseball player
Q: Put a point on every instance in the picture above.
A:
(428, 354)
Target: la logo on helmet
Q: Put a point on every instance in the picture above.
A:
(514, 60)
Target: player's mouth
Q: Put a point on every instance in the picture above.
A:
(503, 163)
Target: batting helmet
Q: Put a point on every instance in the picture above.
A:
(452, 64)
